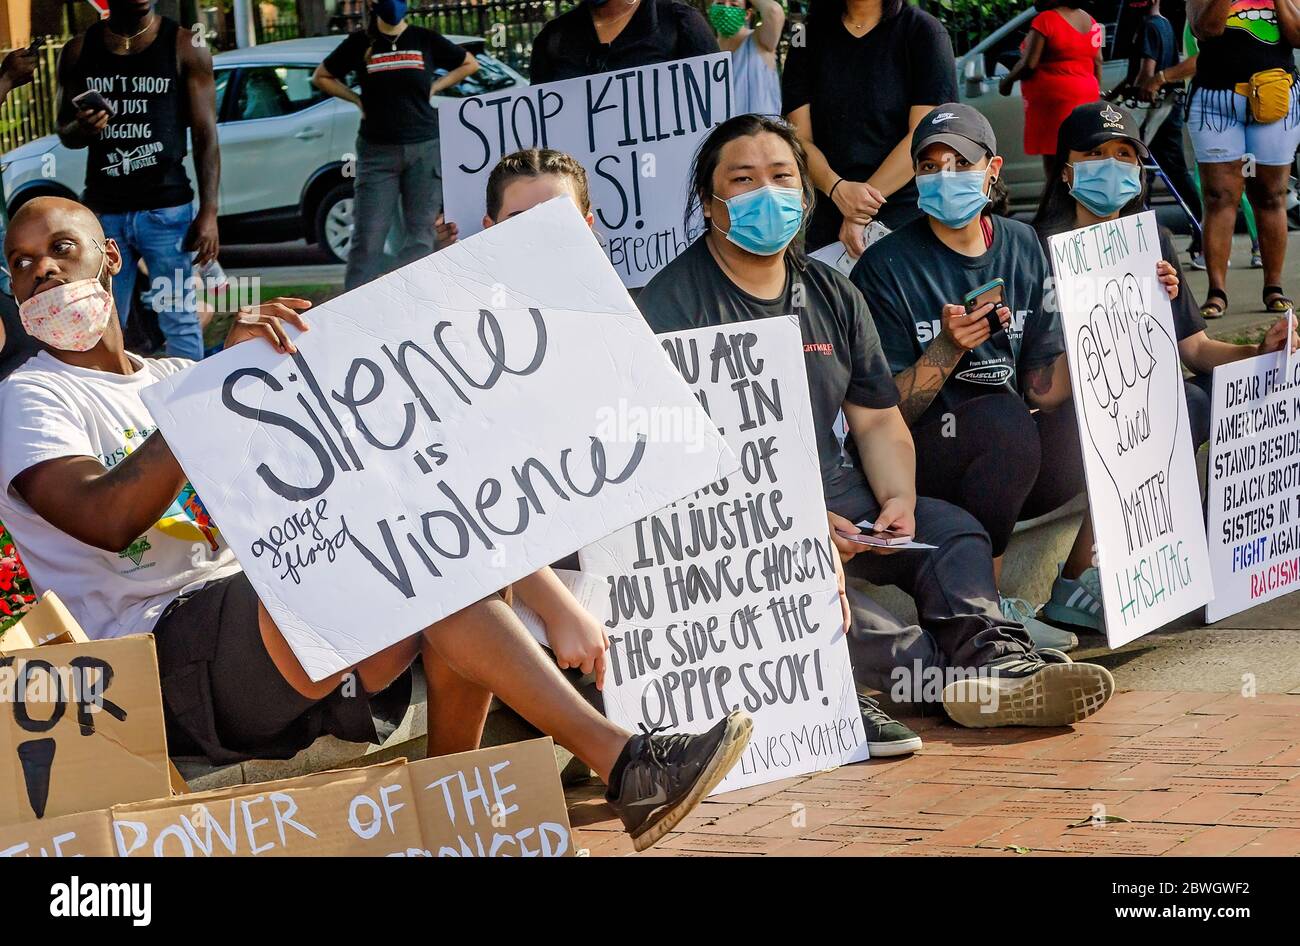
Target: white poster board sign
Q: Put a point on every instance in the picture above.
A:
(634, 130)
(1137, 447)
(728, 598)
(1254, 483)
(441, 432)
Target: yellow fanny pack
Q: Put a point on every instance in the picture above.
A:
(1269, 94)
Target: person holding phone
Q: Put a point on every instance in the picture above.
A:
(150, 88)
(1097, 176)
(750, 182)
(957, 297)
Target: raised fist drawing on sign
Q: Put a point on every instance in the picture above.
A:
(1130, 376)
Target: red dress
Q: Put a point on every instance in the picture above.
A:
(1066, 78)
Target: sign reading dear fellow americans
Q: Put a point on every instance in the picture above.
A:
(634, 130)
(441, 432)
(728, 598)
(1137, 447)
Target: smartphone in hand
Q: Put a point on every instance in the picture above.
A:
(992, 291)
(880, 538)
(95, 101)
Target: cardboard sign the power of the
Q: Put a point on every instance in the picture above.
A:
(500, 802)
(81, 724)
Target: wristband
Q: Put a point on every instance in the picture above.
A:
(831, 195)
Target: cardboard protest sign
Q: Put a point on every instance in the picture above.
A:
(350, 813)
(81, 725)
(441, 432)
(728, 598)
(500, 802)
(1254, 478)
(50, 622)
(1137, 447)
(82, 834)
(634, 130)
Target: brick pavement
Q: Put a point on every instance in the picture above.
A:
(1176, 773)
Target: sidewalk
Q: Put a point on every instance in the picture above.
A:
(1180, 773)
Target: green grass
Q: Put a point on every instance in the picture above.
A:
(316, 293)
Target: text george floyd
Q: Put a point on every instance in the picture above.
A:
(377, 407)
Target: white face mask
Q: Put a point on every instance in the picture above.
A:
(70, 317)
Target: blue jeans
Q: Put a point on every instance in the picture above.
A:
(157, 237)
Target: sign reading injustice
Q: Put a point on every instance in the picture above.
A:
(728, 598)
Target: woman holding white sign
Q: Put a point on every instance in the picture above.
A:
(750, 181)
(1097, 176)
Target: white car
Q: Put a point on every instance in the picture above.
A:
(283, 145)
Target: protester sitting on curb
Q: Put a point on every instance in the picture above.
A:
(1097, 176)
(750, 181)
(967, 388)
(232, 688)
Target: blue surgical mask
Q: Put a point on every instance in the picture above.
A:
(1105, 185)
(954, 198)
(391, 12)
(764, 220)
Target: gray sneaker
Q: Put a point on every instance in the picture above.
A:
(1026, 690)
(1041, 633)
(667, 776)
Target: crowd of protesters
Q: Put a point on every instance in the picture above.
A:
(860, 127)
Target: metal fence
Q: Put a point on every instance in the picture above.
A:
(508, 26)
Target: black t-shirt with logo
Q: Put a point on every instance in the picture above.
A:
(395, 81)
(909, 276)
(138, 161)
(841, 349)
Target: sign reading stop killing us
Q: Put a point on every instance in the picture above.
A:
(634, 130)
(441, 432)
(728, 598)
(1137, 447)
(1254, 483)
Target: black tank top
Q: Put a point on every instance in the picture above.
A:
(1252, 42)
(137, 161)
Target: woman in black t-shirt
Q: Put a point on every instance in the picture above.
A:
(397, 147)
(1078, 194)
(864, 74)
(1236, 150)
(750, 183)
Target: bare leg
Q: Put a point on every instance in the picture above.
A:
(457, 708)
(1267, 194)
(486, 645)
(1081, 553)
(1222, 183)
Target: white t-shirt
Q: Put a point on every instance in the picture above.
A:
(49, 409)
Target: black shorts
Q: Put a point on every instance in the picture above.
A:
(224, 697)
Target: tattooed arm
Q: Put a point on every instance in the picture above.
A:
(1048, 386)
(106, 508)
(919, 385)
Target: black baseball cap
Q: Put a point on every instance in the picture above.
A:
(1096, 123)
(959, 126)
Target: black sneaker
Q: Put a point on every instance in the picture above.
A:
(1026, 690)
(885, 735)
(667, 776)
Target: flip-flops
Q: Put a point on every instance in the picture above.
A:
(1215, 304)
(1276, 300)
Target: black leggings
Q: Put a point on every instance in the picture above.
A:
(1001, 463)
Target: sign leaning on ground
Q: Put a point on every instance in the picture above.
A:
(1254, 495)
(634, 130)
(728, 598)
(441, 432)
(1137, 446)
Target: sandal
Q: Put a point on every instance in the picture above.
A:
(1276, 300)
(1212, 308)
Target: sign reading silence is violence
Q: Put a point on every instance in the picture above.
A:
(1137, 447)
(440, 433)
(634, 131)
